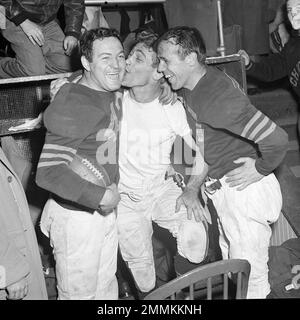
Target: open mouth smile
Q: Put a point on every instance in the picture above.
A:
(169, 77)
(113, 76)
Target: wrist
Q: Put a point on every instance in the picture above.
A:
(107, 197)
(192, 188)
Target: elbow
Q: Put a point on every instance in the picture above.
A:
(40, 179)
(283, 140)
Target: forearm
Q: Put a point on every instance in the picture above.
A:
(198, 175)
(199, 170)
(268, 69)
(273, 149)
(74, 12)
(63, 182)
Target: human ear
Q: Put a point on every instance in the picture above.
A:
(191, 58)
(85, 63)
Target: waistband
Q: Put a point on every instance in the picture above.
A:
(136, 192)
(142, 183)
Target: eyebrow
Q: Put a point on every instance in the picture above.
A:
(110, 53)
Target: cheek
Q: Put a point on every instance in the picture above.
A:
(138, 70)
(122, 64)
(175, 70)
(100, 67)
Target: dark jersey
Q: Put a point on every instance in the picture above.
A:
(279, 65)
(79, 121)
(227, 126)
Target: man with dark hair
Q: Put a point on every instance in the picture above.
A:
(78, 165)
(40, 46)
(241, 146)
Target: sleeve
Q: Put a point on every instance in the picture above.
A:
(14, 11)
(74, 13)
(235, 113)
(68, 123)
(273, 148)
(12, 262)
(177, 119)
(269, 68)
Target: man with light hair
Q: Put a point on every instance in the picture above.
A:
(242, 148)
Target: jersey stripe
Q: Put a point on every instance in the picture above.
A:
(251, 122)
(58, 147)
(258, 128)
(50, 163)
(56, 155)
(266, 132)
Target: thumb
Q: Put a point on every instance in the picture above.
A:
(179, 203)
(65, 44)
(240, 160)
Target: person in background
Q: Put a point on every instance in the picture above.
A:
(21, 273)
(279, 30)
(285, 63)
(241, 146)
(39, 44)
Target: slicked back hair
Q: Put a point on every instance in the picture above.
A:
(88, 38)
(188, 39)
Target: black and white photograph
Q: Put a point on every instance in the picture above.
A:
(149, 157)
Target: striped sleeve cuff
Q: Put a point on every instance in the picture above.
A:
(258, 127)
(54, 154)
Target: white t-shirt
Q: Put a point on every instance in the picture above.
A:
(147, 133)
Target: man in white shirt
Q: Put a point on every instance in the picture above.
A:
(147, 133)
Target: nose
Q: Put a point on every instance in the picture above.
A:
(115, 63)
(293, 12)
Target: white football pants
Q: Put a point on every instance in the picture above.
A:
(85, 250)
(155, 201)
(244, 224)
